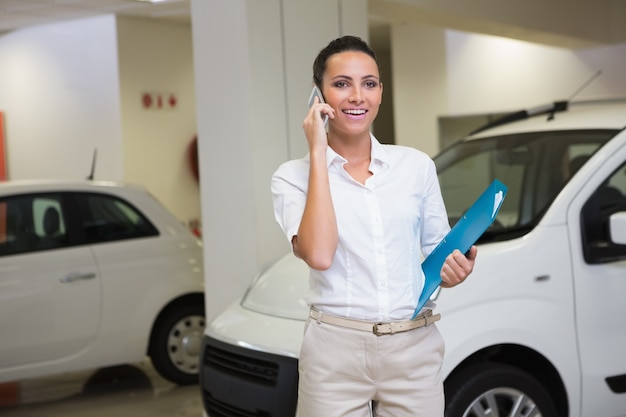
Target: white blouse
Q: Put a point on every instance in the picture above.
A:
(386, 227)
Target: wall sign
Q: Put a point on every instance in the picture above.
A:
(159, 101)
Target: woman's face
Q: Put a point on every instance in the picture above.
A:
(351, 85)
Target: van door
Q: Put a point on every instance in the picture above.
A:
(600, 284)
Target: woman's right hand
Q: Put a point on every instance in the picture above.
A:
(313, 125)
(316, 241)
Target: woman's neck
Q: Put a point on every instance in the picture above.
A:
(357, 151)
(354, 148)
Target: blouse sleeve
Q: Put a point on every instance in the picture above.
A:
(288, 188)
(435, 224)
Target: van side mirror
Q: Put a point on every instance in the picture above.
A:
(617, 228)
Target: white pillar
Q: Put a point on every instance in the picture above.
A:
(223, 108)
(253, 69)
(418, 56)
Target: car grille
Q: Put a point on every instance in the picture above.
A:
(240, 366)
(215, 408)
(241, 382)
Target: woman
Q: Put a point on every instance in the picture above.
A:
(361, 215)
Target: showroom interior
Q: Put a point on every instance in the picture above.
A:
(137, 90)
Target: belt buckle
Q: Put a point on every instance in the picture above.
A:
(375, 329)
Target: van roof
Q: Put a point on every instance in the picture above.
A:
(565, 115)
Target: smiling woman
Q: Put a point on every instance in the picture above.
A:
(359, 214)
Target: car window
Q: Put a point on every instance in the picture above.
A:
(534, 166)
(606, 200)
(107, 218)
(32, 223)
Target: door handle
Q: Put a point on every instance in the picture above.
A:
(78, 277)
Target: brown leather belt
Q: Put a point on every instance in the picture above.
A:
(378, 328)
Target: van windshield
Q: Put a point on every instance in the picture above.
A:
(534, 166)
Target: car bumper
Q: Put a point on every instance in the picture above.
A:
(249, 364)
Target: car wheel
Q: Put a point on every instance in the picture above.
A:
(176, 343)
(492, 389)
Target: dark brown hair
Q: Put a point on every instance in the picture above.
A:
(342, 44)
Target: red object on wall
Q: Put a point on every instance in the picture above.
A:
(9, 394)
(3, 159)
(146, 100)
(193, 158)
(159, 101)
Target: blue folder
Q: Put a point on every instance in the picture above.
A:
(462, 236)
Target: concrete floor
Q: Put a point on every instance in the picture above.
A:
(130, 390)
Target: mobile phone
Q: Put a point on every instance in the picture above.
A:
(317, 93)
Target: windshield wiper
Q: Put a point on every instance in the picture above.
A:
(498, 235)
(550, 109)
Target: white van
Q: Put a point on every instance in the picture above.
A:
(539, 329)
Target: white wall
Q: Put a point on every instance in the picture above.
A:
(157, 58)
(487, 74)
(419, 83)
(71, 87)
(611, 60)
(59, 90)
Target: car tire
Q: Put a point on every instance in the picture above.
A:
(492, 389)
(176, 343)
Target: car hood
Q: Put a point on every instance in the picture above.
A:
(257, 331)
(280, 290)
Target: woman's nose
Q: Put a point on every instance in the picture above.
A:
(356, 96)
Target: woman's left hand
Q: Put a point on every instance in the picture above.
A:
(457, 267)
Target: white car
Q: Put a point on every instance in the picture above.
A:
(539, 329)
(96, 274)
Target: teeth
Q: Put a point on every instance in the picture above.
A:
(354, 111)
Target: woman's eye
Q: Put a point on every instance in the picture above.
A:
(371, 84)
(340, 84)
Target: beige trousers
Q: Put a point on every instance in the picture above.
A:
(353, 373)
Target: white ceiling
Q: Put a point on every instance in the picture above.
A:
(565, 23)
(21, 13)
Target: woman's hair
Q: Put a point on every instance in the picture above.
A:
(342, 44)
